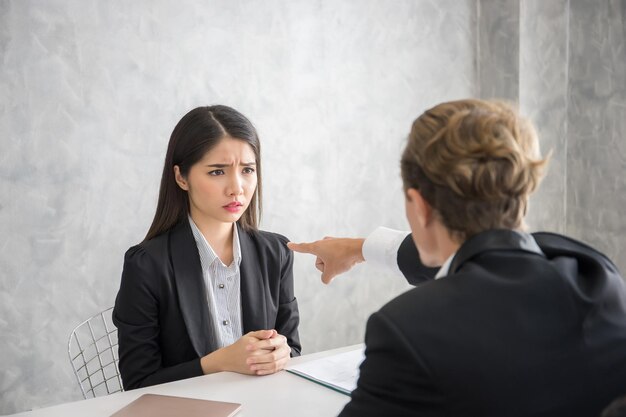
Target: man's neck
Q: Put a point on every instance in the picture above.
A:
(446, 244)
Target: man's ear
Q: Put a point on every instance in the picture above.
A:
(423, 211)
(180, 180)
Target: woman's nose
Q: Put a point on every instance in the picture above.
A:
(235, 186)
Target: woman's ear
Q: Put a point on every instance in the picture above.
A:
(180, 180)
(421, 210)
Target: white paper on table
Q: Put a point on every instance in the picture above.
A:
(339, 372)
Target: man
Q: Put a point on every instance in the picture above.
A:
(502, 323)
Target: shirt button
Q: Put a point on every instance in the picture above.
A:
(225, 322)
(221, 286)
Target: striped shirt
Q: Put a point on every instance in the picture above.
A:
(222, 285)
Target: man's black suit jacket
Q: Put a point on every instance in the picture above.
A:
(161, 310)
(523, 325)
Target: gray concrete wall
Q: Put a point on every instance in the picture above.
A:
(596, 116)
(543, 97)
(497, 49)
(573, 86)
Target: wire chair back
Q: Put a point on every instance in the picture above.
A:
(92, 349)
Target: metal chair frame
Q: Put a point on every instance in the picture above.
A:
(83, 362)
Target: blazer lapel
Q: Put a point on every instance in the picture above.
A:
(190, 285)
(253, 298)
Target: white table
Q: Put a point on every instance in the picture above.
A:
(281, 394)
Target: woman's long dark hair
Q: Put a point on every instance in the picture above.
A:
(195, 135)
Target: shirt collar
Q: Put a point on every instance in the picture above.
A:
(236, 245)
(209, 255)
(445, 268)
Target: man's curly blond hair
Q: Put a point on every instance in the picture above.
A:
(475, 162)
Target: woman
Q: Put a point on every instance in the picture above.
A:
(206, 291)
(502, 322)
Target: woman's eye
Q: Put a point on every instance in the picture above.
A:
(248, 170)
(217, 172)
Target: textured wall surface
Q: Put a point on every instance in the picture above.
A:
(89, 94)
(497, 49)
(543, 97)
(596, 163)
(572, 84)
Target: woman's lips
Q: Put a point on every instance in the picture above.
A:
(233, 207)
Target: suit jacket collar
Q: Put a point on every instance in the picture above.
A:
(192, 291)
(252, 269)
(494, 240)
(190, 285)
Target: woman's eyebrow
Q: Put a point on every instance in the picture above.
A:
(247, 164)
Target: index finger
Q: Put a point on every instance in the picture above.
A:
(302, 247)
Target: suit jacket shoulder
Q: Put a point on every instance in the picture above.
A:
(153, 252)
(270, 240)
(271, 248)
(553, 245)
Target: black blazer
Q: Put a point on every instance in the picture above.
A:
(161, 310)
(524, 325)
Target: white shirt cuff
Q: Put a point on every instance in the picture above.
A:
(381, 249)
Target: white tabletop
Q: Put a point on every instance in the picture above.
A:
(281, 394)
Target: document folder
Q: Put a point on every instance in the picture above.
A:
(152, 405)
(338, 372)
